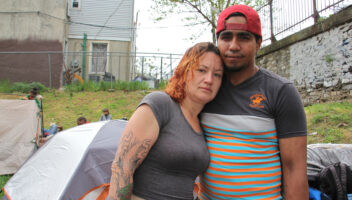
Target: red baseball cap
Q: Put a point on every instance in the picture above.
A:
(253, 20)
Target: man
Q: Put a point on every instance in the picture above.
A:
(81, 120)
(48, 133)
(106, 115)
(33, 95)
(256, 126)
(53, 129)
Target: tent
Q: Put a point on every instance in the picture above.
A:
(20, 123)
(76, 163)
(73, 164)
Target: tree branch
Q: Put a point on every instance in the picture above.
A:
(200, 12)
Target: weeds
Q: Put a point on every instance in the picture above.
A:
(7, 87)
(163, 84)
(331, 122)
(92, 86)
(3, 180)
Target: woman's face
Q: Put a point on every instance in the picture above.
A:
(206, 80)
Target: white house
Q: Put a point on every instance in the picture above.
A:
(103, 31)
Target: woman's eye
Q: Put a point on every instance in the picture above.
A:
(218, 75)
(201, 70)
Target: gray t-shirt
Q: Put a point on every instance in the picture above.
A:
(105, 118)
(178, 156)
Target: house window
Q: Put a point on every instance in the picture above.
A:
(99, 57)
(76, 4)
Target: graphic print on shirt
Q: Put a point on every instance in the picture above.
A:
(257, 101)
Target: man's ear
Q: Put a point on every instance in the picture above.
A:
(258, 43)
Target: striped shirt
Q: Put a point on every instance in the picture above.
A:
(242, 128)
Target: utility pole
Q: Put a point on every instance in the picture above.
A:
(135, 46)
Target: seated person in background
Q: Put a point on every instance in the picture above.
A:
(33, 95)
(81, 120)
(106, 115)
(52, 130)
(48, 133)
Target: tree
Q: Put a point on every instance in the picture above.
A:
(195, 12)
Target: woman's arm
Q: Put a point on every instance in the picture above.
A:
(138, 137)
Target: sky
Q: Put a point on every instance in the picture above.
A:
(156, 38)
(170, 35)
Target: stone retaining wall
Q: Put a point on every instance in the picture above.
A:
(317, 59)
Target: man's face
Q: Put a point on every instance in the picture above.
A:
(106, 113)
(238, 47)
(31, 96)
(80, 122)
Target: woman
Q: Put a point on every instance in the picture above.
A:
(162, 148)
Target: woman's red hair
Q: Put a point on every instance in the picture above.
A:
(189, 62)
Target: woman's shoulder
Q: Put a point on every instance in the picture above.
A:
(161, 104)
(159, 100)
(158, 96)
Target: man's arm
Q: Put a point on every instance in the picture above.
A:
(138, 137)
(293, 152)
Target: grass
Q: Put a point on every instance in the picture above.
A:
(106, 86)
(3, 180)
(64, 108)
(331, 121)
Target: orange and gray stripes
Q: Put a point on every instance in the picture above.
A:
(245, 163)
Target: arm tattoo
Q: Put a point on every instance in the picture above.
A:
(131, 154)
(126, 192)
(141, 153)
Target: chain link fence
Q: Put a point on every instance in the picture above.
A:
(54, 68)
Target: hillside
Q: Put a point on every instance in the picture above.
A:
(327, 123)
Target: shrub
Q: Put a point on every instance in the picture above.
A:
(7, 87)
(163, 84)
(92, 86)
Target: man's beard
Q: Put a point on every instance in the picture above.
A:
(234, 69)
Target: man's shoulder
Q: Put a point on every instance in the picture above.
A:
(274, 77)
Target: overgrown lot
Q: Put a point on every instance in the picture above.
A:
(327, 123)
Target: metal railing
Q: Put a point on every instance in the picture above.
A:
(281, 18)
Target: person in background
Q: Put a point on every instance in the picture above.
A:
(256, 127)
(33, 95)
(48, 133)
(81, 120)
(162, 148)
(106, 115)
(52, 130)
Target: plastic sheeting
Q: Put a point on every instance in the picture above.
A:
(320, 156)
(19, 123)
